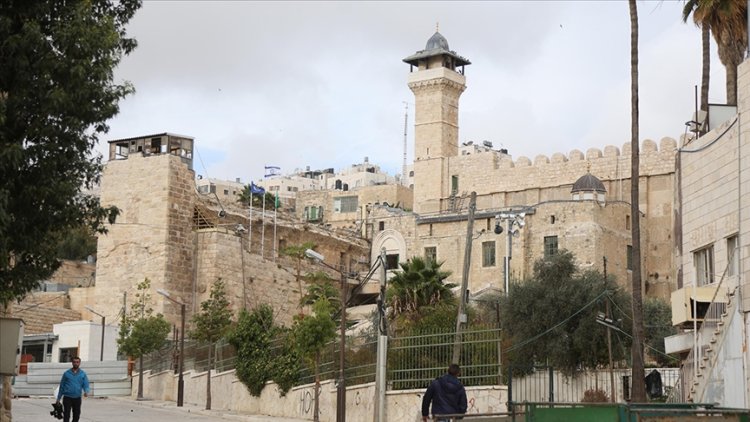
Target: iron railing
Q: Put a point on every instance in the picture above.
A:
(414, 361)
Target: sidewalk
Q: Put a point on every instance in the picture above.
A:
(200, 410)
(125, 409)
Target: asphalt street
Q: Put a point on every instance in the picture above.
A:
(125, 409)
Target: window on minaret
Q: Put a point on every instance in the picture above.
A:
(454, 184)
(550, 246)
(488, 254)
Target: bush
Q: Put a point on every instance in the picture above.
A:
(595, 395)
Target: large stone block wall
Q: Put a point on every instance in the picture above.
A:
(152, 236)
(265, 282)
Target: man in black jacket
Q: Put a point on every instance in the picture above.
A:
(446, 394)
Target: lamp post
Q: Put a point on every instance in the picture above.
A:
(513, 219)
(341, 388)
(180, 380)
(101, 352)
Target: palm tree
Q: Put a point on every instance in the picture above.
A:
(727, 21)
(420, 283)
(639, 387)
(690, 6)
(246, 197)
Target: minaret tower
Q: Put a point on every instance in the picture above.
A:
(437, 81)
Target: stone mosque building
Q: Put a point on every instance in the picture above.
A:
(183, 239)
(574, 201)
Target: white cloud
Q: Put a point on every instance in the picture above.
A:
(322, 84)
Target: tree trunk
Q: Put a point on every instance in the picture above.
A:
(140, 379)
(731, 84)
(316, 404)
(5, 406)
(208, 378)
(705, 73)
(639, 386)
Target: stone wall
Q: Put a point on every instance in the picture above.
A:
(74, 273)
(227, 393)
(152, 237)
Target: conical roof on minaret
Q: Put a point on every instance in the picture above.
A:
(437, 45)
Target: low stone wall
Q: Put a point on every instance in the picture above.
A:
(228, 393)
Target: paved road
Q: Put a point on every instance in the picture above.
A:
(126, 410)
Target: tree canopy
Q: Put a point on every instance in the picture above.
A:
(551, 317)
(418, 284)
(142, 332)
(56, 95)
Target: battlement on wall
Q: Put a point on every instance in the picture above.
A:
(648, 148)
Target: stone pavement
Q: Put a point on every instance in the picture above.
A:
(122, 409)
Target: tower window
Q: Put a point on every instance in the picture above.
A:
(381, 226)
(454, 184)
(488, 254)
(430, 253)
(550, 246)
(627, 222)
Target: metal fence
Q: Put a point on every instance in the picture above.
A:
(416, 360)
(413, 361)
(196, 357)
(544, 384)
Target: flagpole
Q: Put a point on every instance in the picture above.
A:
(275, 210)
(263, 229)
(250, 224)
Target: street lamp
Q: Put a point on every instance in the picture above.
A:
(341, 388)
(515, 221)
(101, 353)
(180, 381)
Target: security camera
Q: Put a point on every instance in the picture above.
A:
(222, 214)
(498, 229)
(241, 228)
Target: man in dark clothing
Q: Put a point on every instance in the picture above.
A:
(446, 394)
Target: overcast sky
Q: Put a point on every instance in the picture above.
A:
(322, 84)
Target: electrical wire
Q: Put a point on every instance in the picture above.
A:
(538, 336)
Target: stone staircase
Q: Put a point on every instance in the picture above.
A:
(714, 325)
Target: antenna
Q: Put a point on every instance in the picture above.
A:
(406, 125)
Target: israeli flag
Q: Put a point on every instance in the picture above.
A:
(272, 171)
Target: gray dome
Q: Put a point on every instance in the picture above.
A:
(437, 41)
(588, 183)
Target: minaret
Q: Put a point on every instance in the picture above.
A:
(437, 81)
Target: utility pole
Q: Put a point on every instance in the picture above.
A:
(341, 390)
(461, 320)
(609, 338)
(380, 370)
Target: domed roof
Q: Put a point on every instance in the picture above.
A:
(437, 41)
(588, 183)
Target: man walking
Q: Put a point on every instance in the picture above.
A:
(446, 394)
(73, 382)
